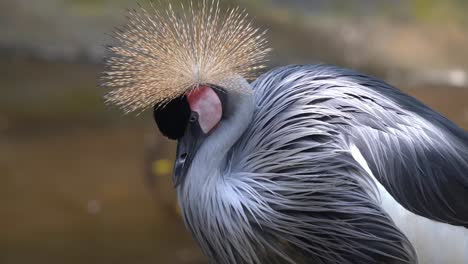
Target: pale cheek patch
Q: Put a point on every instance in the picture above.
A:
(207, 104)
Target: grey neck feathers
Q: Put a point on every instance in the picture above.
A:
(210, 159)
(206, 197)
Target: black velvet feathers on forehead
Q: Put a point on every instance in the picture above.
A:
(172, 119)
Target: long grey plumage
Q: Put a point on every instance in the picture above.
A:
(419, 155)
(304, 197)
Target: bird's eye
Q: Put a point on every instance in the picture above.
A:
(193, 117)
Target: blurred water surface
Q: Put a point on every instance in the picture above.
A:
(72, 182)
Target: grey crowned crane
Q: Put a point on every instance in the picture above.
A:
(307, 163)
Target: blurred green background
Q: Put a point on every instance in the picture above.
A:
(81, 183)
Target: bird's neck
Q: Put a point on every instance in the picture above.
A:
(210, 160)
(207, 195)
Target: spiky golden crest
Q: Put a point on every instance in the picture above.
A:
(162, 54)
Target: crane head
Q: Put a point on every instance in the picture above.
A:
(184, 62)
(190, 119)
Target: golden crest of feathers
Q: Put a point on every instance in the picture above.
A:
(163, 54)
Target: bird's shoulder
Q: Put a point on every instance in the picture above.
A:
(417, 154)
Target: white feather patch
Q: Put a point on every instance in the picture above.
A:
(434, 242)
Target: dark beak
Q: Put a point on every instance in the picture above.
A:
(187, 147)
